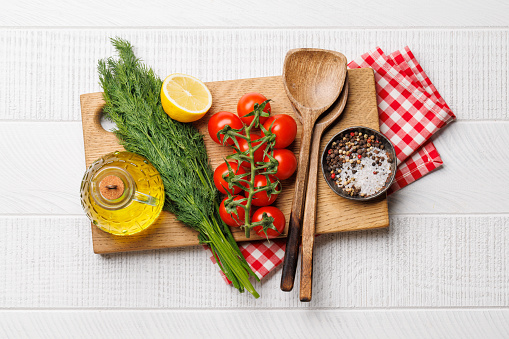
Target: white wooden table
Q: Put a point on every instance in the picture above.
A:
(441, 270)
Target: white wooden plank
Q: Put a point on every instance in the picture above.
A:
(42, 168)
(473, 178)
(433, 261)
(43, 163)
(43, 71)
(451, 323)
(228, 13)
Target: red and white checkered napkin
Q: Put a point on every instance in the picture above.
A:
(262, 256)
(411, 110)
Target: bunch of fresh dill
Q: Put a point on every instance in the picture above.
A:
(132, 95)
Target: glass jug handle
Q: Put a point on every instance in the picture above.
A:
(145, 199)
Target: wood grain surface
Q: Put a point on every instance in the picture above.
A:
(335, 213)
(54, 67)
(391, 324)
(420, 261)
(230, 13)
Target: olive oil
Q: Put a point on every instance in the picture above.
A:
(122, 193)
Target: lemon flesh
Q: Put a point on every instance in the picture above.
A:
(185, 98)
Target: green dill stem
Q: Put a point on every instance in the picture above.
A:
(228, 258)
(234, 246)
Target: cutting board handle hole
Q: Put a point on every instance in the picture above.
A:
(106, 124)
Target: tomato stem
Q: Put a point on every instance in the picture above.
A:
(248, 155)
(247, 217)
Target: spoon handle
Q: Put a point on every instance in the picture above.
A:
(309, 222)
(293, 238)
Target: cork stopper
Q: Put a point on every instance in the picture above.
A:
(111, 187)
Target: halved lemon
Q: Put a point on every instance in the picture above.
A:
(185, 98)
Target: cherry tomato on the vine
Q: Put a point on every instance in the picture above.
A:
(284, 127)
(231, 219)
(246, 106)
(261, 198)
(220, 183)
(221, 119)
(258, 154)
(287, 163)
(279, 221)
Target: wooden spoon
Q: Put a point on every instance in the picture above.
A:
(309, 222)
(313, 80)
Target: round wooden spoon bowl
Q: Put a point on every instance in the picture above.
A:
(314, 78)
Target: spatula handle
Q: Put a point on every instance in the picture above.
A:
(294, 228)
(309, 222)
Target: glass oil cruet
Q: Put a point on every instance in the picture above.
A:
(122, 193)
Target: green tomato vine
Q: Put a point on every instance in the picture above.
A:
(246, 181)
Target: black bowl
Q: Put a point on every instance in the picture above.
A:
(388, 147)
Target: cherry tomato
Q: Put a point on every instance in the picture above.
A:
(279, 221)
(220, 183)
(261, 198)
(231, 219)
(284, 127)
(258, 154)
(221, 119)
(246, 106)
(287, 163)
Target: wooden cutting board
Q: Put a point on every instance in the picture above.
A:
(334, 214)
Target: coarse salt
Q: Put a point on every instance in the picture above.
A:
(364, 177)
